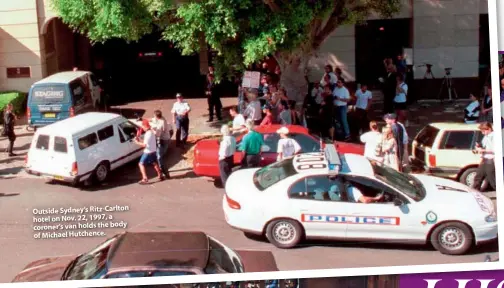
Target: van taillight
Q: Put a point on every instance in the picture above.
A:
(75, 169)
(28, 113)
(432, 160)
(72, 111)
(232, 203)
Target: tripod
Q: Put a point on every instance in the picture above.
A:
(448, 82)
(428, 71)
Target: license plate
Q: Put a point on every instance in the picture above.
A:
(58, 178)
(50, 115)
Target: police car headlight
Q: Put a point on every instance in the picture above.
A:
(491, 218)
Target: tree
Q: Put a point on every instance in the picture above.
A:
(241, 32)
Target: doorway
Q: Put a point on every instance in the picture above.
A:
(377, 40)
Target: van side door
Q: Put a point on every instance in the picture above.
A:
(129, 149)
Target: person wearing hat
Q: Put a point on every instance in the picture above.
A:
(148, 157)
(287, 146)
(268, 118)
(250, 146)
(400, 136)
(180, 112)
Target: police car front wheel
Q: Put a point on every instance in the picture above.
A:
(284, 233)
(452, 238)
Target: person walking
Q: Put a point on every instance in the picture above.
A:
(341, 98)
(401, 138)
(180, 112)
(227, 149)
(164, 133)
(8, 129)
(213, 98)
(250, 146)
(316, 94)
(362, 105)
(400, 100)
(472, 111)
(149, 153)
(371, 139)
(287, 147)
(486, 168)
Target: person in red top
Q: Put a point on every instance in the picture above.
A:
(268, 118)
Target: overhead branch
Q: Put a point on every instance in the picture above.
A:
(272, 5)
(332, 23)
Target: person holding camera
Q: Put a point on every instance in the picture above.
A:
(8, 129)
(486, 168)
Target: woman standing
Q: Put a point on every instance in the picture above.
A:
(8, 131)
(387, 149)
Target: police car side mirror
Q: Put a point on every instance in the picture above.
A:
(398, 202)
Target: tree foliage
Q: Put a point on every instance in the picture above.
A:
(241, 32)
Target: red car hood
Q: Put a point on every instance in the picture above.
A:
(47, 269)
(257, 261)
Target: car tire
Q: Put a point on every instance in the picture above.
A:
(101, 172)
(452, 238)
(467, 177)
(284, 233)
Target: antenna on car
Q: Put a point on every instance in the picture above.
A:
(321, 143)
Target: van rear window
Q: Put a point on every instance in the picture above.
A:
(427, 136)
(42, 142)
(60, 144)
(49, 94)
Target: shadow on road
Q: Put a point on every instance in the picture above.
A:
(12, 170)
(8, 194)
(9, 160)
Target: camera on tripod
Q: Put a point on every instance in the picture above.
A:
(448, 70)
(429, 66)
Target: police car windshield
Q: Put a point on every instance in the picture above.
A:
(400, 181)
(274, 173)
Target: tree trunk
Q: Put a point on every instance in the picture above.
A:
(294, 75)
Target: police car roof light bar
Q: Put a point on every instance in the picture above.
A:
(333, 158)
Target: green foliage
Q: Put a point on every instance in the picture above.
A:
(16, 98)
(240, 32)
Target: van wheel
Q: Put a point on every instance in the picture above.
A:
(452, 238)
(101, 172)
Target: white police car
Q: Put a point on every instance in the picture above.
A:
(310, 196)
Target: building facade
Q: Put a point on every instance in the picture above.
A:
(445, 33)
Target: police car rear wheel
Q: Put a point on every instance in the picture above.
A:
(284, 233)
(452, 238)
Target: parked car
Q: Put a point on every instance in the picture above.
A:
(312, 196)
(85, 147)
(206, 162)
(62, 95)
(446, 150)
(150, 254)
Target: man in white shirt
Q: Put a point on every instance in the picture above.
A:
(149, 154)
(400, 101)
(362, 105)
(180, 112)
(164, 132)
(287, 147)
(355, 195)
(333, 79)
(486, 169)
(238, 120)
(341, 98)
(371, 139)
(227, 150)
(253, 110)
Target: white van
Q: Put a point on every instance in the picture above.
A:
(85, 147)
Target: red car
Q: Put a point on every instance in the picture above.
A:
(206, 159)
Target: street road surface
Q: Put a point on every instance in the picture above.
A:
(185, 203)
